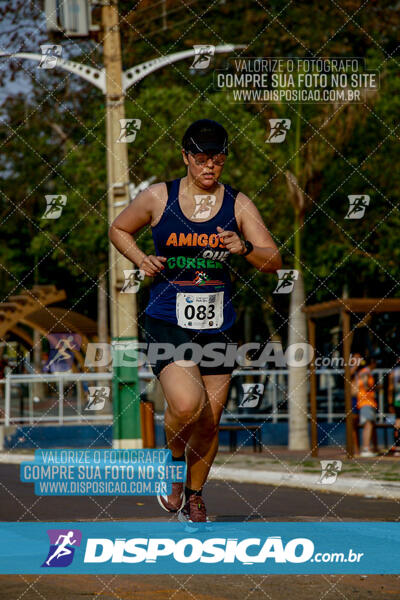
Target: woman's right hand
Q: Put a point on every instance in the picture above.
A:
(152, 265)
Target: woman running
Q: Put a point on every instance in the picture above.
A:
(197, 224)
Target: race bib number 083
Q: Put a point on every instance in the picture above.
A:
(200, 311)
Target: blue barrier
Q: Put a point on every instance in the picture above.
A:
(59, 436)
(100, 436)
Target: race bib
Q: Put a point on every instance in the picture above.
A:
(200, 311)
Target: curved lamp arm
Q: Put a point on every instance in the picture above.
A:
(95, 76)
(135, 74)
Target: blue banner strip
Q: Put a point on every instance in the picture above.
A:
(237, 548)
(69, 472)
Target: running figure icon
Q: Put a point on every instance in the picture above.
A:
(204, 204)
(357, 206)
(55, 205)
(279, 129)
(63, 346)
(286, 281)
(62, 549)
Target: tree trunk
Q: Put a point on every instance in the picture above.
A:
(247, 324)
(274, 336)
(247, 332)
(37, 386)
(102, 325)
(298, 376)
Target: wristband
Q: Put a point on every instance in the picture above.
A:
(249, 247)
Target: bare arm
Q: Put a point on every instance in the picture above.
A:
(265, 255)
(133, 218)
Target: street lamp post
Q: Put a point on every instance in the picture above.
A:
(123, 307)
(114, 83)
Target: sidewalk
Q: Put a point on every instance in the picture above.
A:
(377, 477)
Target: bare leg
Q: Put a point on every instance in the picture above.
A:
(367, 434)
(203, 442)
(185, 395)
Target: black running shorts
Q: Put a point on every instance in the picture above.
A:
(163, 332)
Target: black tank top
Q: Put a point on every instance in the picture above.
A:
(194, 288)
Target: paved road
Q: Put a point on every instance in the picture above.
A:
(225, 501)
(199, 587)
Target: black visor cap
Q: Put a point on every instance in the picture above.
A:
(205, 136)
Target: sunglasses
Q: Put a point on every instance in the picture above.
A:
(201, 158)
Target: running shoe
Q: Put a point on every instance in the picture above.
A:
(175, 500)
(194, 510)
(367, 454)
(194, 513)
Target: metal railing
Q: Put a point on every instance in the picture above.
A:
(56, 401)
(61, 405)
(330, 395)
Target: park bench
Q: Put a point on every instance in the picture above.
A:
(233, 431)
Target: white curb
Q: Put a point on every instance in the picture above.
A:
(351, 486)
(344, 485)
(8, 458)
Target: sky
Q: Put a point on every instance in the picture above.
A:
(23, 31)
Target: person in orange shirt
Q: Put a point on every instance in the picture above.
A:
(357, 358)
(394, 405)
(366, 404)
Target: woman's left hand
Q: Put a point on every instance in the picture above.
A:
(232, 241)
